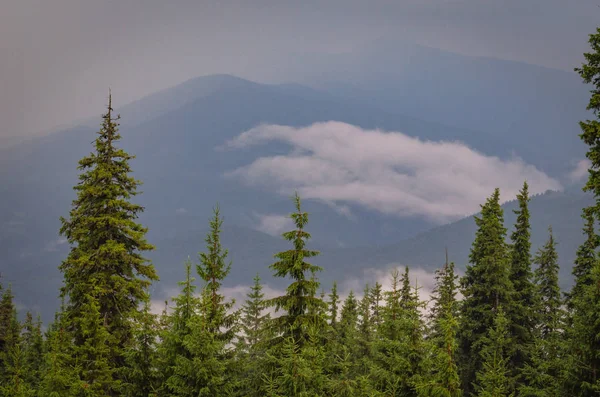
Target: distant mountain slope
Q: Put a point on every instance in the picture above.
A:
(534, 109)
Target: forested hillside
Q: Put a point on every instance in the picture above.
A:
(504, 328)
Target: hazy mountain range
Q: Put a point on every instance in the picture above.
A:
(512, 121)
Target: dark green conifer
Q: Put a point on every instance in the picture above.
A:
(444, 302)
(143, 378)
(206, 369)
(174, 329)
(334, 301)
(9, 330)
(106, 249)
(60, 375)
(521, 312)
(486, 286)
(251, 347)
(33, 350)
(586, 258)
(376, 302)
(493, 379)
(300, 304)
(543, 374)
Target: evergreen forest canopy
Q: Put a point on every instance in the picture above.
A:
(513, 333)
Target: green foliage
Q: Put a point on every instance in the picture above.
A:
(544, 373)
(175, 327)
(521, 312)
(105, 270)
(333, 303)
(60, 373)
(300, 304)
(443, 379)
(252, 343)
(143, 378)
(486, 286)
(32, 343)
(493, 379)
(444, 302)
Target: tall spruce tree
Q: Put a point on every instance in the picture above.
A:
(443, 378)
(300, 304)
(544, 373)
(251, 346)
(521, 312)
(391, 371)
(175, 328)
(9, 330)
(486, 286)
(59, 375)
(213, 269)
(365, 332)
(585, 300)
(333, 303)
(376, 298)
(142, 377)
(493, 379)
(33, 350)
(444, 302)
(207, 368)
(586, 258)
(106, 248)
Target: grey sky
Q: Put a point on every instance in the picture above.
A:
(60, 56)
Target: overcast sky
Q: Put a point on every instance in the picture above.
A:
(60, 56)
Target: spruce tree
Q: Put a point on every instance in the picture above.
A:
(406, 292)
(334, 301)
(59, 373)
(586, 258)
(106, 249)
(33, 350)
(207, 367)
(585, 298)
(251, 347)
(521, 312)
(213, 269)
(486, 286)
(93, 356)
(376, 297)
(443, 378)
(142, 373)
(543, 374)
(365, 332)
(493, 377)
(300, 304)
(392, 370)
(175, 328)
(583, 321)
(9, 330)
(348, 322)
(444, 302)
(298, 367)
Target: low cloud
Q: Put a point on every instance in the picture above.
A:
(388, 172)
(54, 246)
(420, 278)
(580, 171)
(274, 224)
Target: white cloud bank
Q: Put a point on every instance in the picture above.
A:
(385, 171)
(425, 280)
(274, 224)
(580, 171)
